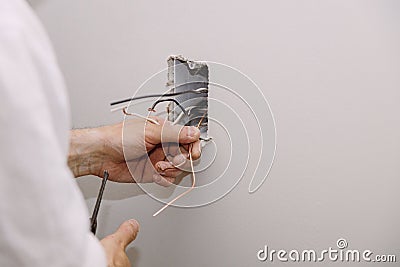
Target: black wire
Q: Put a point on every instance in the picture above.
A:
(197, 91)
(169, 100)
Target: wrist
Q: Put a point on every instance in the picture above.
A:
(87, 152)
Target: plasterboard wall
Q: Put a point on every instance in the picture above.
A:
(331, 72)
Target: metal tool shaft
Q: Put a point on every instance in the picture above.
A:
(93, 219)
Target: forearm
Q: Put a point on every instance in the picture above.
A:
(87, 152)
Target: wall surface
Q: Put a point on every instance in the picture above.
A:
(331, 73)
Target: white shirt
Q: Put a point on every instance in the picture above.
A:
(43, 216)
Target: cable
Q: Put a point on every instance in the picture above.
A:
(140, 116)
(189, 110)
(197, 91)
(167, 100)
(187, 191)
(193, 174)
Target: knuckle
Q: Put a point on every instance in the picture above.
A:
(196, 154)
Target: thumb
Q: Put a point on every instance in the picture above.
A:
(172, 133)
(126, 233)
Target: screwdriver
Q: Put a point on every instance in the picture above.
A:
(93, 219)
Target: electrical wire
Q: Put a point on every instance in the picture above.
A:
(152, 108)
(193, 174)
(196, 91)
(187, 191)
(140, 116)
(189, 110)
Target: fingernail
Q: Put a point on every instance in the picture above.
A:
(162, 166)
(134, 223)
(192, 131)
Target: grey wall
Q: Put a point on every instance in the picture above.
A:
(331, 72)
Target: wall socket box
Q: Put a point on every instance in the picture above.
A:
(183, 75)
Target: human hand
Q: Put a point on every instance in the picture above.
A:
(115, 244)
(144, 158)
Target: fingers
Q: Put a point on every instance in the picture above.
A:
(182, 160)
(196, 150)
(126, 233)
(179, 160)
(167, 173)
(167, 169)
(166, 132)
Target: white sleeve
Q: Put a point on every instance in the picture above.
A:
(43, 216)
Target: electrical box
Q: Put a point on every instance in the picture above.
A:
(188, 75)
